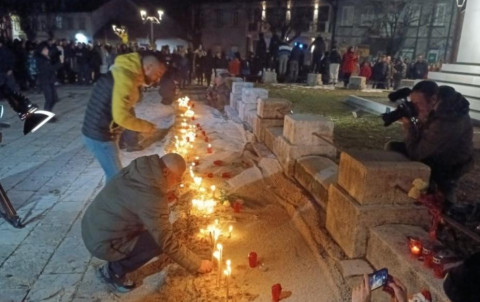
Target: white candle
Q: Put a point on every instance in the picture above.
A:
(212, 188)
(230, 229)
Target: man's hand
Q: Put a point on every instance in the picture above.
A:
(205, 267)
(361, 293)
(399, 289)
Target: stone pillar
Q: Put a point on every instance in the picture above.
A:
(468, 51)
(371, 191)
(249, 101)
(356, 82)
(236, 94)
(270, 113)
(314, 79)
(269, 77)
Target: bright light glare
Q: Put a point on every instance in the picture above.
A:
(81, 38)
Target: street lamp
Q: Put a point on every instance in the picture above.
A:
(152, 20)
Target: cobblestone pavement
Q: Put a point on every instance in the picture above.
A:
(49, 177)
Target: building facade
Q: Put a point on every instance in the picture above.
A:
(406, 28)
(235, 26)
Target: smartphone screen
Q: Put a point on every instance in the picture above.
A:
(378, 278)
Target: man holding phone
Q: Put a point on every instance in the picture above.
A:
(362, 292)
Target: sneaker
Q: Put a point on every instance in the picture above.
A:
(114, 282)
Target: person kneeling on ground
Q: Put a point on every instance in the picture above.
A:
(127, 224)
(218, 95)
(442, 138)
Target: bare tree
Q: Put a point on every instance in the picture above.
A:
(392, 21)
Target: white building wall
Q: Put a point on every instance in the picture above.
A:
(469, 50)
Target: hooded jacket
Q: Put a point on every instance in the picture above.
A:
(445, 141)
(132, 202)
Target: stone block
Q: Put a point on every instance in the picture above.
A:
(348, 222)
(269, 77)
(234, 99)
(250, 117)
(377, 176)
(387, 247)
(261, 124)
(282, 148)
(271, 135)
(251, 95)
(273, 108)
(355, 267)
(316, 174)
(357, 82)
(230, 80)
(299, 129)
(314, 79)
(243, 108)
(238, 86)
(407, 83)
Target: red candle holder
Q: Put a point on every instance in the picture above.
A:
(237, 207)
(204, 133)
(198, 125)
(252, 259)
(188, 139)
(210, 175)
(209, 149)
(226, 175)
(415, 246)
(206, 139)
(193, 118)
(427, 255)
(276, 292)
(218, 163)
(197, 162)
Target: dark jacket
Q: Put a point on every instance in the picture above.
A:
(335, 57)
(46, 70)
(444, 142)
(97, 123)
(132, 202)
(420, 70)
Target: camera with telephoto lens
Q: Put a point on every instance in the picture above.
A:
(405, 108)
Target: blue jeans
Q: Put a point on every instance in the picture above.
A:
(107, 155)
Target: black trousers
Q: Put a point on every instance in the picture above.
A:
(145, 249)
(51, 97)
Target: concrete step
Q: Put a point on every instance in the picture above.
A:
(461, 68)
(388, 247)
(315, 174)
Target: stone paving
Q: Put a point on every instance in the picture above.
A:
(49, 177)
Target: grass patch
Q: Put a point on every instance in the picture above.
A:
(364, 132)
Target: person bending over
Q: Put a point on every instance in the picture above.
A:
(127, 223)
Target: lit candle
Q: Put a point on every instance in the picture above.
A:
(197, 160)
(209, 148)
(230, 229)
(228, 273)
(212, 188)
(220, 254)
(197, 181)
(415, 246)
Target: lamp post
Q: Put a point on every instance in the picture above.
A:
(152, 20)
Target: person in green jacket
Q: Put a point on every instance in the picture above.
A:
(127, 223)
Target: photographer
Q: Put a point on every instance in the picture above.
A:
(438, 134)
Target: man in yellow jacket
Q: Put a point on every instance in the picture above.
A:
(111, 107)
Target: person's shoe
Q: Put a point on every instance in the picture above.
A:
(114, 282)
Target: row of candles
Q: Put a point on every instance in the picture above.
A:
(205, 201)
(434, 257)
